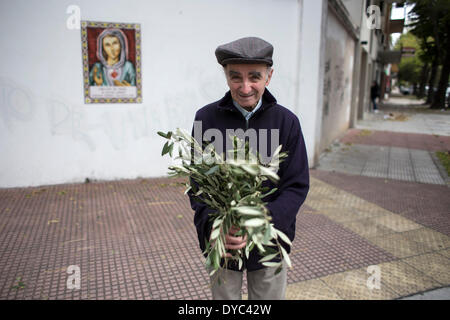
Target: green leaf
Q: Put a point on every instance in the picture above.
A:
(260, 247)
(268, 257)
(271, 264)
(216, 259)
(216, 223)
(165, 148)
(170, 149)
(215, 234)
(207, 245)
(271, 250)
(249, 248)
(277, 151)
(252, 169)
(286, 257)
(248, 211)
(162, 134)
(278, 270)
(283, 237)
(267, 234)
(212, 170)
(253, 223)
(187, 190)
(269, 173)
(269, 193)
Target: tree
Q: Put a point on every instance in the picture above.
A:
(409, 67)
(431, 23)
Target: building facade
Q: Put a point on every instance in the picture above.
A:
(49, 135)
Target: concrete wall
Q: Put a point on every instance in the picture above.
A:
(49, 136)
(337, 91)
(354, 8)
(311, 57)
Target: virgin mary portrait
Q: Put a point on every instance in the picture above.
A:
(114, 69)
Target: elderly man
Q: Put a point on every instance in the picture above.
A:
(248, 105)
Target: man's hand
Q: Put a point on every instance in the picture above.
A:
(234, 243)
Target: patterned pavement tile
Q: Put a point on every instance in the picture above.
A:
(352, 285)
(400, 247)
(136, 240)
(330, 248)
(398, 139)
(424, 204)
(313, 289)
(343, 214)
(322, 203)
(319, 261)
(445, 253)
(300, 271)
(433, 265)
(429, 237)
(367, 228)
(404, 279)
(396, 223)
(324, 196)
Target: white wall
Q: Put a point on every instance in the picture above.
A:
(49, 136)
(354, 8)
(338, 77)
(311, 57)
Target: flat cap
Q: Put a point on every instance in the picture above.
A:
(245, 50)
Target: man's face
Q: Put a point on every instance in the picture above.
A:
(247, 82)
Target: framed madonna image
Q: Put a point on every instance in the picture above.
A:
(111, 62)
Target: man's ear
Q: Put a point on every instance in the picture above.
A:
(269, 76)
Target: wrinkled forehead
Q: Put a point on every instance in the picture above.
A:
(246, 68)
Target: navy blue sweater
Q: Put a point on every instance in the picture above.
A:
(293, 185)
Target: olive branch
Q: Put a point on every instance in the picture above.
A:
(233, 188)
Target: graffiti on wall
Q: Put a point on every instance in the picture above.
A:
(336, 80)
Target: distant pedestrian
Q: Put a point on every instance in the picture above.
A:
(374, 94)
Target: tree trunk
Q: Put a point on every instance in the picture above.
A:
(434, 67)
(423, 80)
(435, 21)
(439, 97)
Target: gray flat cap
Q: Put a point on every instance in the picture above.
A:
(245, 50)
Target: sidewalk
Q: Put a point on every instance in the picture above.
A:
(135, 239)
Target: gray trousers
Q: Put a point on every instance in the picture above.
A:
(262, 284)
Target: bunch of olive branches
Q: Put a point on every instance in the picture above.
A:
(232, 186)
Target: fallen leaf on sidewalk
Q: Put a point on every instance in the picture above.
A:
(365, 133)
(20, 284)
(396, 117)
